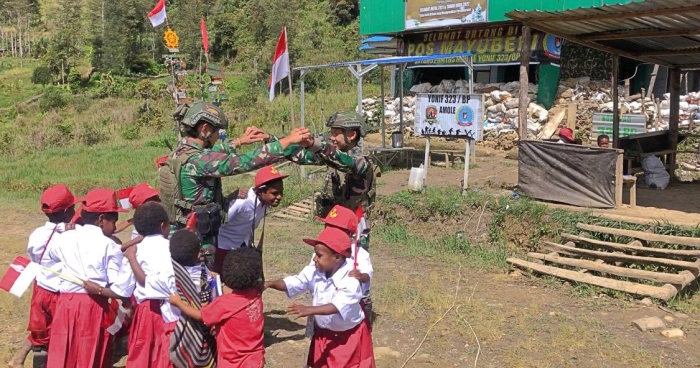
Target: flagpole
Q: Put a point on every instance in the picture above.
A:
(289, 78)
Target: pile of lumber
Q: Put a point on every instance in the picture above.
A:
(607, 264)
(300, 211)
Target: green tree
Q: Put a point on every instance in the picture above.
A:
(42, 75)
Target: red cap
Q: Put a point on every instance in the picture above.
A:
(57, 198)
(342, 218)
(567, 133)
(334, 238)
(266, 175)
(142, 193)
(102, 200)
(160, 161)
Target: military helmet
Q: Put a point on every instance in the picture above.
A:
(347, 120)
(191, 114)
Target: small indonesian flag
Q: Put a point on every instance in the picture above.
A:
(205, 37)
(157, 15)
(19, 276)
(280, 63)
(115, 317)
(361, 227)
(191, 222)
(123, 195)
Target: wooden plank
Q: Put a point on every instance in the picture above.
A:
(668, 239)
(299, 209)
(282, 215)
(559, 251)
(618, 181)
(571, 116)
(619, 257)
(682, 279)
(552, 125)
(633, 248)
(665, 292)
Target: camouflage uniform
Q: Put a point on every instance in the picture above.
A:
(201, 170)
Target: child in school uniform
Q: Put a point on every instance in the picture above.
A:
(238, 313)
(79, 336)
(58, 203)
(345, 219)
(154, 318)
(245, 215)
(191, 344)
(139, 195)
(340, 339)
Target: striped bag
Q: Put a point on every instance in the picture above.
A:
(191, 344)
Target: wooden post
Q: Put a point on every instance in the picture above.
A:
(618, 179)
(426, 163)
(675, 89)
(571, 116)
(465, 179)
(616, 101)
(524, 82)
(381, 101)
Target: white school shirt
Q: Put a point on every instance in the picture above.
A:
(38, 243)
(244, 216)
(86, 254)
(134, 234)
(153, 255)
(364, 265)
(340, 290)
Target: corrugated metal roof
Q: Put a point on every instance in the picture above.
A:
(665, 32)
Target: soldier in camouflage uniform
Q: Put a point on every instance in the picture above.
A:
(343, 154)
(191, 177)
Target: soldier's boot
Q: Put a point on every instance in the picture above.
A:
(40, 356)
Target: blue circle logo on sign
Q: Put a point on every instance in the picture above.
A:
(465, 116)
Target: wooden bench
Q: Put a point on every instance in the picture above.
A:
(449, 155)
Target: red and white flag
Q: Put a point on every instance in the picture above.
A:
(157, 15)
(19, 276)
(280, 63)
(205, 37)
(116, 315)
(123, 196)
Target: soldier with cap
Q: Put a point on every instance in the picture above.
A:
(356, 189)
(191, 176)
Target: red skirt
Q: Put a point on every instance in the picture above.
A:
(41, 312)
(168, 329)
(348, 349)
(145, 340)
(78, 337)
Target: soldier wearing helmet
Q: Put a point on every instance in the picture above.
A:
(191, 176)
(356, 188)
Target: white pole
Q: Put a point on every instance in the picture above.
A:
(426, 161)
(466, 168)
(359, 89)
(302, 72)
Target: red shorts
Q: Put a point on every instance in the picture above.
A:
(41, 312)
(351, 349)
(78, 335)
(145, 339)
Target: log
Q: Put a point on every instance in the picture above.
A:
(693, 267)
(525, 55)
(552, 125)
(632, 248)
(642, 221)
(559, 251)
(681, 279)
(665, 292)
(669, 239)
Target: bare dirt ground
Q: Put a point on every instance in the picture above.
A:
(436, 313)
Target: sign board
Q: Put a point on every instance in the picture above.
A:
(442, 13)
(489, 44)
(449, 115)
(629, 125)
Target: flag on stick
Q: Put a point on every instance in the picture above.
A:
(157, 15)
(19, 276)
(280, 63)
(205, 37)
(123, 195)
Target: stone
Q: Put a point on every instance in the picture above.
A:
(680, 315)
(669, 319)
(647, 302)
(649, 324)
(673, 333)
(567, 94)
(512, 103)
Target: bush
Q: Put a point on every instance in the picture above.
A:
(42, 75)
(90, 136)
(53, 98)
(75, 80)
(132, 132)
